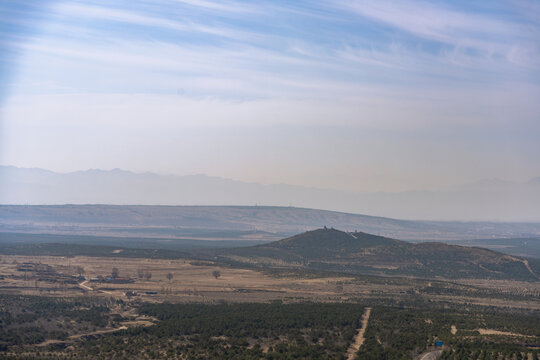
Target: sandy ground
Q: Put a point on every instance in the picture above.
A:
(497, 332)
(433, 355)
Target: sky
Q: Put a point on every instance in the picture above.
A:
(352, 95)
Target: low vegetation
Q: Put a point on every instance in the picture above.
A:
(30, 320)
(268, 330)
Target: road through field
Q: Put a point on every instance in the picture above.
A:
(84, 286)
(359, 339)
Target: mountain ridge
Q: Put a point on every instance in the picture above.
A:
(487, 201)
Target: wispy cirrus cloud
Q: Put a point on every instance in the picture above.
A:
(182, 24)
(437, 22)
(490, 33)
(228, 6)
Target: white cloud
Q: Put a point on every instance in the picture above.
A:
(488, 34)
(131, 17)
(438, 23)
(227, 6)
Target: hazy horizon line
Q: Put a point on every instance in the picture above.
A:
(163, 174)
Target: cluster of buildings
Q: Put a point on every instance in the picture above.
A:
(44, 272)
(112, 280)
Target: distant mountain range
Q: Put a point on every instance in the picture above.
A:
(487, 200)
(361, 253)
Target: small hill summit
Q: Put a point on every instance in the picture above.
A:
(333, 240)
(362, 253)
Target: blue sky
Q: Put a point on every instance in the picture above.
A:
(363, 95)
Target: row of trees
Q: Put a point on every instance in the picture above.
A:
(144, 274)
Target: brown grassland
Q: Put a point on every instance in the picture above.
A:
(193, 281)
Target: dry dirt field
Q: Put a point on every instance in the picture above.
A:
(193, 281)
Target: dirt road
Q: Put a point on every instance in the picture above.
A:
(434, 355)
(359, 339)
(83, 285)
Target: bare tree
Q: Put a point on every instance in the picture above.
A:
(216, 273)
(114, 272)
(169, 276)
(140, 273)
(148, 275)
